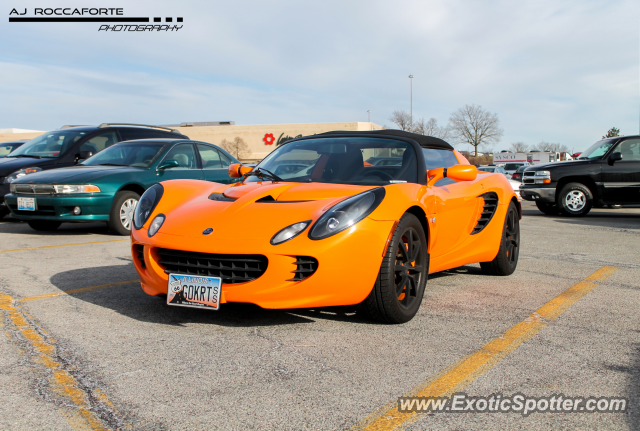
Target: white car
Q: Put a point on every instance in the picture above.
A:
(516, 188)
(510, 168)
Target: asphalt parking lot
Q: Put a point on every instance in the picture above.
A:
(85, 348)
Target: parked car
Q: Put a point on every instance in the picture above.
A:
(69, 146)
(385, 161)
(510, 168)
(493, 169)
(107, 186)
(517, 175)
(9, 146)
(605, 174)
(341, 232)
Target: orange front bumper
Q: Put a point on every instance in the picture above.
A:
(348, 264)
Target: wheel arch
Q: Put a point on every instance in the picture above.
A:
(422, 217)
(586, 181)
(518, 206)
(132, 187)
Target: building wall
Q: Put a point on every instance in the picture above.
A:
(253, 135)
(5, 137)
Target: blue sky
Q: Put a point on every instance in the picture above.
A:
(559, 71)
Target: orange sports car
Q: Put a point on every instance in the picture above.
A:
(315, 224)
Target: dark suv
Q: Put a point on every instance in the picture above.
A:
(607, 173)
(67, 147)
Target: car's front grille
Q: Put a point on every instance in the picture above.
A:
(305, 267)
(41, 210)
(489, 209)
(139, 250)
(35, 189)
(231, 268)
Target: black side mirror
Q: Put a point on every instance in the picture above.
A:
(168, 165)
(83, 155)
(615, 157)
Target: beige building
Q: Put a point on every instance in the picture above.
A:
(260, 139)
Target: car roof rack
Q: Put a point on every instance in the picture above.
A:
(68, 126)
(103, 125)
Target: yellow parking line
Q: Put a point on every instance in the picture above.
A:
(61, 381)
(72, 291)
(62, 245)
(462, 373)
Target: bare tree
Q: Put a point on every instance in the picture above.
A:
(474, 126)
(402, 119)
(236, 147)
(487, 148)
(518, 147)
(551, 146)
(431, 128)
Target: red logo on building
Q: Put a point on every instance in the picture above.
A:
(268, 139)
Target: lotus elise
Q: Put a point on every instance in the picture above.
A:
(329, 229)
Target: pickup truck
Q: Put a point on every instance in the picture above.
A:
(607, 173)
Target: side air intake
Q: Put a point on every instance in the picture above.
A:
(489, 209)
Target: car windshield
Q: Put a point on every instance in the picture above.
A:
(512, 166)
(521, 169)
(7, 147)
(486, 169)
(597, 150)
(50, 145)
(126, 154)
(341, 161)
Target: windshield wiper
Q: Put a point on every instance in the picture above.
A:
(28, 155)
(262, 172)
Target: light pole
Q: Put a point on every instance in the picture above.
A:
(411, 100)
(369, 118)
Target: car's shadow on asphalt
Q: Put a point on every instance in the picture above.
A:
(17, 227)
(609, 218)
(129, 300)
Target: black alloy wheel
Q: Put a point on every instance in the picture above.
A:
(506, 260)
(398, 291)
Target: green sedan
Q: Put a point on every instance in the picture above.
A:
(107, 186)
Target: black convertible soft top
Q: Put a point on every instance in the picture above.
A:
(422, 140)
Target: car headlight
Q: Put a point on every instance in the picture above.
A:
(542, 177)
(21, 173)
(76, 188)
(289, 232)
(155, 225)
(345, 214)
(147, 204)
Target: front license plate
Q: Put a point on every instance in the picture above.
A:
(26, 204)
(194, 291)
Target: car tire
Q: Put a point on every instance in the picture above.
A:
(548, 208)
(398, 291)
(506, 260)
(575, 200)
(613, 207)
(121, 216)
(44, 225)
(4, 212)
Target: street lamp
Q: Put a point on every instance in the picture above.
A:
(411, 99)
